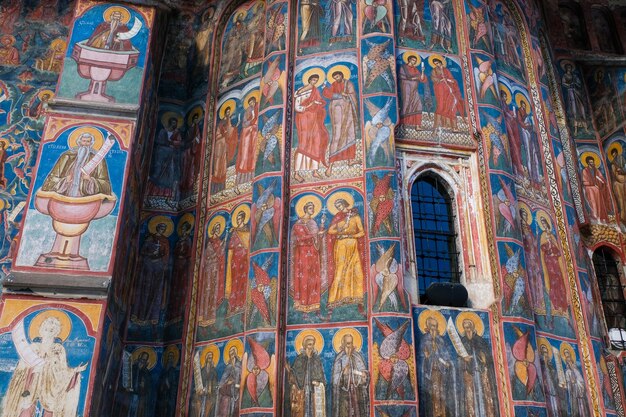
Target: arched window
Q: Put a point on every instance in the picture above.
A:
(612, 294)
(434, 231)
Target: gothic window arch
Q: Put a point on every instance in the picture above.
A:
(435, 236)
(610, 282)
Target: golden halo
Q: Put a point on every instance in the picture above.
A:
(519, 99)
(541, 214)
(617, 146)
(319, 340)
(409, 54)
(58, 44)
(237, 344)
(439, 57)
(165, 118)
(43, 92)
(6, 142)
(254, 93)
(309, 198)
(314, 71)
(330, 203)
(215, 220)
(11, 38)
(565, 62)
(152, 356)
(122, 10)
(216, 355)
(241, 208)
(567, 347)
(504, 89)
(479, 326)
(175, 351)
(169, 225)
(228, 104)
(187, 218)
(195, 111)
(585, 155)
(241, 13)
(523, 206)
(60, 315)
(542, 341)
(98, 137)
(357, 339)
(341, 68)
(427, 314)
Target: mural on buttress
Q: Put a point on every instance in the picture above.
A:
(574, 98)
(387, 279)
(327, 372)
(327, 258)
(486, 79)
(258, 368)
(235, 142)
(326, 25)
(32, 46)
(523, 362)
(224, 276)
(517, 300)
(497, 139)
(455, 361)
(526, 156)
(546, 269)
(505, 206)
(48, 352)
(595, 185)
(605, 102)
(176, 158)
(276, 24)
(383, 204)
(243, 44)
(563, 382)
(327, 141)
(72, 217)
(427, 25)
(561, 169)
(381, 119)
(270, 143)
(431, 98)
(616, 155)
(262, 291)
(393, 360)
(507, 42)
(604, 379)
(106, 54)
(273, 81)
(265, 213)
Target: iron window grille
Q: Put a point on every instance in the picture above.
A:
(612, 294)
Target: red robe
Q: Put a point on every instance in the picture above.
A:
(312, 134)
(238, 251)
(447, 94)
(247, 141)
(306, 278)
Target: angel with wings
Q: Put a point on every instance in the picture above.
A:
(394, 364)
(261, 298)
(264, 212)
(258, 370)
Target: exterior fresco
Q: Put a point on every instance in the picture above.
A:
(32, 46)
(106, 54)
(48, 355)
(72, 216)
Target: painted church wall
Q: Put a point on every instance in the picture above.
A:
(31, 56)
(60, 340)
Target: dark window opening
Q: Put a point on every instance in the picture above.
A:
(612, 294)
(436, 251)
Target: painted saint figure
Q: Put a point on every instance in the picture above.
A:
(224, 148)
(345, 236)
(307, 382)
(410, 78)
(68, 176)
(529, 142)
(206, 398)
(312, 133)
(554, 271)
(595, 189)
(311, 14)
(165, 170)
(308, 271)
(343, 119)
(441, 25)
(618, 169)
(107, 34)
(350, 380)
(42, 380)
(447, 95)
(341, 18)
(180, 272)
(574, 102)
(229, 387)
(476, 370)
(212, 290)
(237, 263)
(247, 143)
(576, 390)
